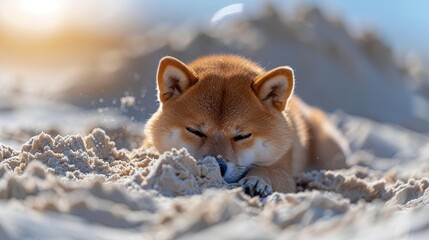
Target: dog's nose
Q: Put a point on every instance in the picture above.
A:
(222, 166)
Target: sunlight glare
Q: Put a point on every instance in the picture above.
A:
(40, 16)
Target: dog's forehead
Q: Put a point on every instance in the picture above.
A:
(224, 85)
(225, 100)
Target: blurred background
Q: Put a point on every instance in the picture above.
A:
(65, 63)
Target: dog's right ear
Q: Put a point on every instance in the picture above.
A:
(173, 78)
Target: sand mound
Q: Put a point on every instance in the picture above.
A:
(75, 157)
(75, 180)
(176, 173)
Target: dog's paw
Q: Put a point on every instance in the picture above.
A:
(254, 186)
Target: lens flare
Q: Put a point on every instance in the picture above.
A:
(227, 11)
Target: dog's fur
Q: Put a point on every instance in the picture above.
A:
(229, 106)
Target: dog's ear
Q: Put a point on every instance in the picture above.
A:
(173, 78)
(274, 88)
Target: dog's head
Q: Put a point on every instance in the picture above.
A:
(224, 106)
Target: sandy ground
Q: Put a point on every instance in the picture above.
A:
(84, 187)
(85, 176)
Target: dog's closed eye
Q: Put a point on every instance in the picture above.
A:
(196, 132)
(241, 137)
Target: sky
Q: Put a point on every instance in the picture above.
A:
(402, 24)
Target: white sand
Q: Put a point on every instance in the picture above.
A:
(76, 187)
(91, 187)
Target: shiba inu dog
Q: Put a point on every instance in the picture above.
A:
(229, 107)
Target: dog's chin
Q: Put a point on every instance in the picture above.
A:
(235, 175)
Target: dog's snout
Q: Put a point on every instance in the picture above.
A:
(222, 165)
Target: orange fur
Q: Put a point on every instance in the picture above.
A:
(225, 98)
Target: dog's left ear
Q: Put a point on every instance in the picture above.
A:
(173, 78)
(274, 88)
